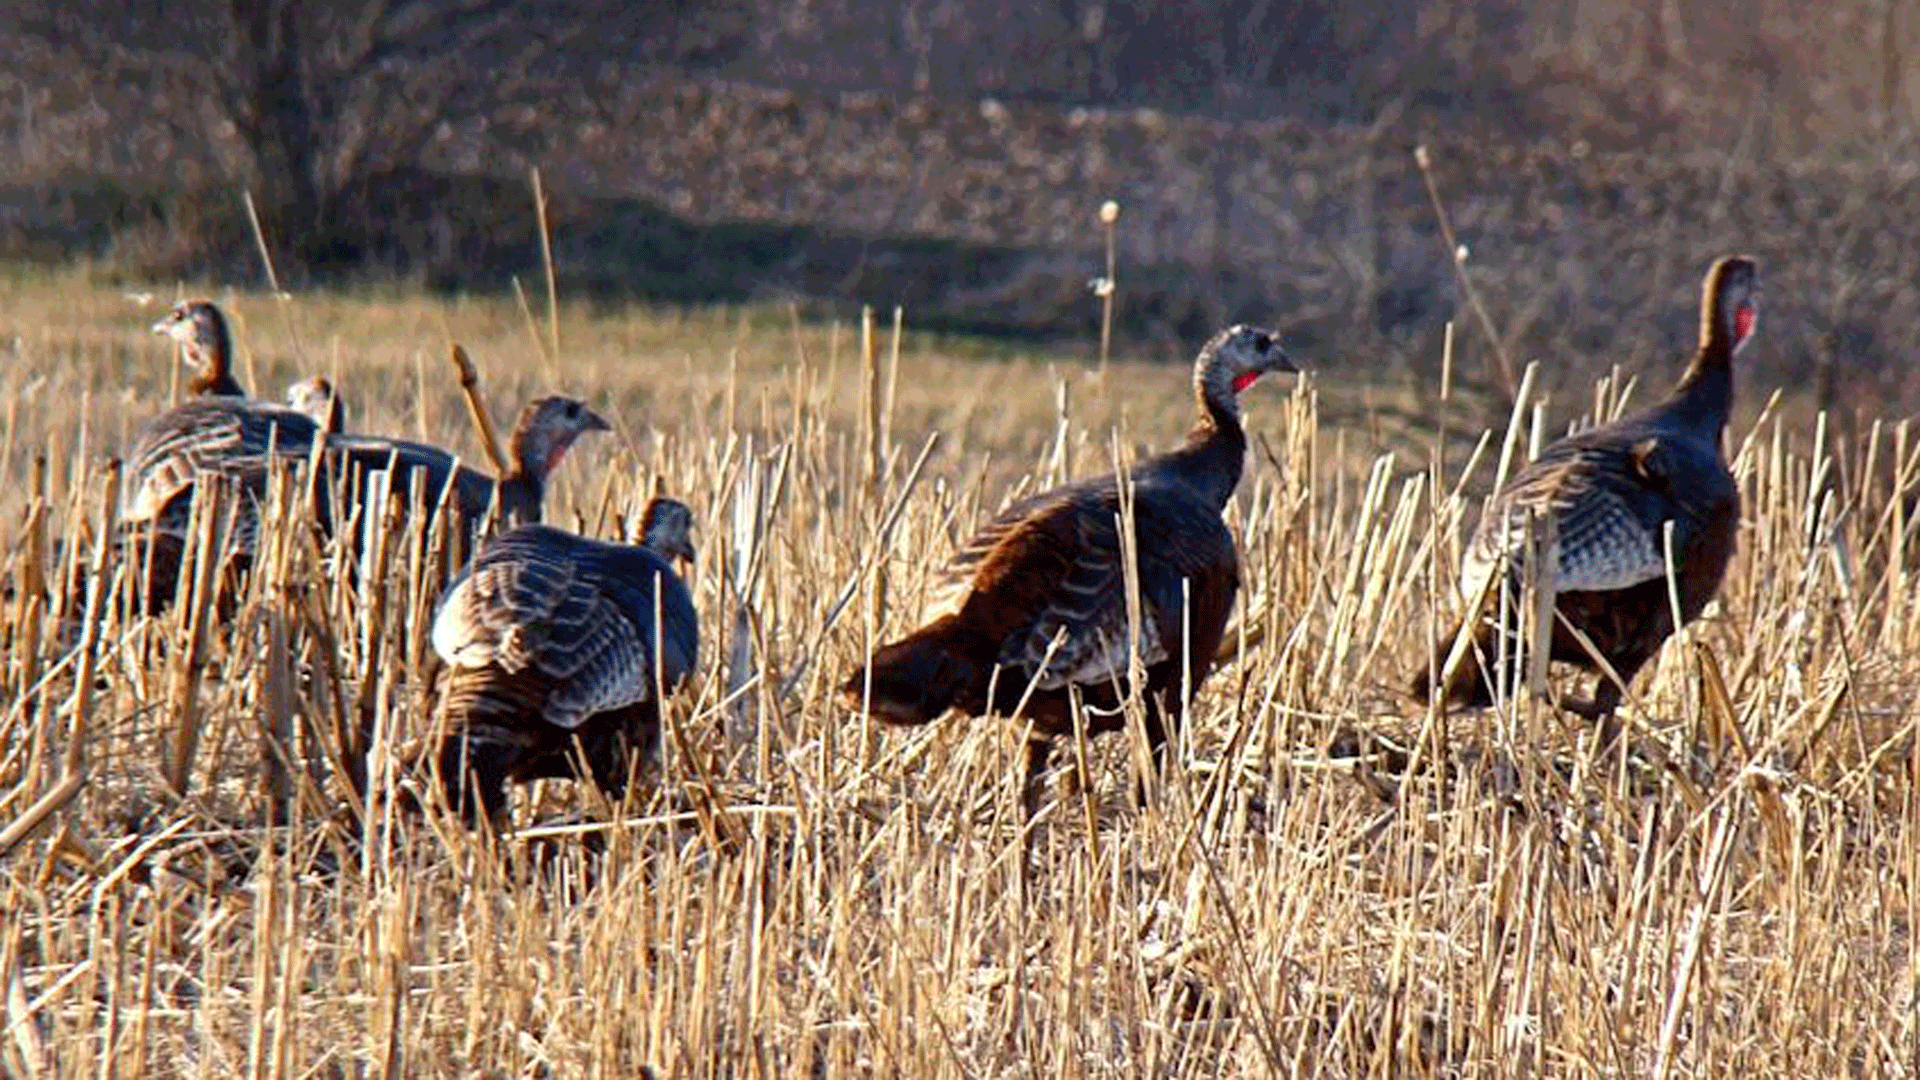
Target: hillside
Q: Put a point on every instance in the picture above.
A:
(755, 156)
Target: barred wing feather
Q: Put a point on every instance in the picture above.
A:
(1610, 500)
(173, 449)
(576, 612)
(1050, 568)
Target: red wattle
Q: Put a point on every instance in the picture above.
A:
(1244, 380)
(1743, 319)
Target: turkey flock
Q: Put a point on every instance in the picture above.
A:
(1066, 612)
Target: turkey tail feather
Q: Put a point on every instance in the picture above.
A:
(918, 678)
(487, 713)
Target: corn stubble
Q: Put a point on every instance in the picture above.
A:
(207, 867)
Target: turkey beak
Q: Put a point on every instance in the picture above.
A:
(593, 421)
(1278, 360)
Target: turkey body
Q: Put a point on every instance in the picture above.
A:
(419, 474)
(238, 444)
(555, 642)
(1050, 566)
(1033, 610)
(219, 431)
(207, 435)
(1620, 497)
(222, 442)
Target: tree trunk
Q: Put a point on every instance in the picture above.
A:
(276, 118)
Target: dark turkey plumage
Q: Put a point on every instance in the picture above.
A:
(230, 442)
(174, 449)
(552, 639)
(238, 444)
(1050, 567)
(1611, 493)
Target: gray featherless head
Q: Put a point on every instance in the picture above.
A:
(316, 398)
(196, 325)
(1235, 358)
(548, 427)
(666, 529)
(1730, 305)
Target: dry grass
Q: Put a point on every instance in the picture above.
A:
(804, 894)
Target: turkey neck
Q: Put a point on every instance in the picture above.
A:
(523, 489)
(521, 493)
(1704, 397)
(213, 366)
(1216, 448)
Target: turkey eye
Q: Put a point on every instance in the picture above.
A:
(1262, 342)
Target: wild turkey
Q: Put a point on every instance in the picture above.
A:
(217, 433)
(551, 639)
(1611, 492)
(1038, 595)
(200, 329)
(219, 428)
(547, 428)
(316, 397)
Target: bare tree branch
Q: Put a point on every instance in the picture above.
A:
(326, 95)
